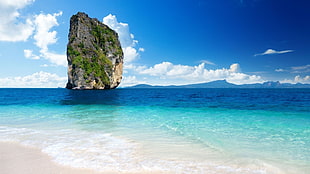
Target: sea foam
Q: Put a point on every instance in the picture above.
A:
(103, 152)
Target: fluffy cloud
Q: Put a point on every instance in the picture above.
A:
(44, 37)
(55, 58)
(37, 80)
(130, 54)
(271, 51)
(29, 55)
(235, 68)
(126, 38)
(196, 74)
(298, 79)
(12, 27)
(130, 81)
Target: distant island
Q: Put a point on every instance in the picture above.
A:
(225, 84)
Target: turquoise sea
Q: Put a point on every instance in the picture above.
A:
(248, 131)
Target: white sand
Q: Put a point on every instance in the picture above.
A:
(18, 159)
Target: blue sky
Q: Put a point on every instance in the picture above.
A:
(165, 41)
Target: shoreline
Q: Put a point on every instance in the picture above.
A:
(16, 158)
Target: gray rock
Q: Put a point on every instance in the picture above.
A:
(94, 54)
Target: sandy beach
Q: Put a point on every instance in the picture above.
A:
(17, 159)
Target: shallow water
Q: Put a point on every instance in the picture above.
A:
(167, 130)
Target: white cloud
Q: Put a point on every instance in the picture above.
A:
(130, 54)
(296, 69)
(159, 69)
(126, 38)
(44, 65)
(271, 51)
(135, 68)
(29, 55)
(54, 58)
(37, 80)
(12, 26)
(198, 74)
(130, 81)
(301, 69)
(279, 70)
(235, 68)
(298, 79)
(44, 37)
(207, 62)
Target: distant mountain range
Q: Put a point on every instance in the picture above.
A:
(225, 84)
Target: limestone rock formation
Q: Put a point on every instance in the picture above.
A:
(94, 54)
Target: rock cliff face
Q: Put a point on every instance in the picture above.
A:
(94, 54)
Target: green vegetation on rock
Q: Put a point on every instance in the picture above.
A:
(91, 52)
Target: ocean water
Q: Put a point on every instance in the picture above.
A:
(248, 131)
